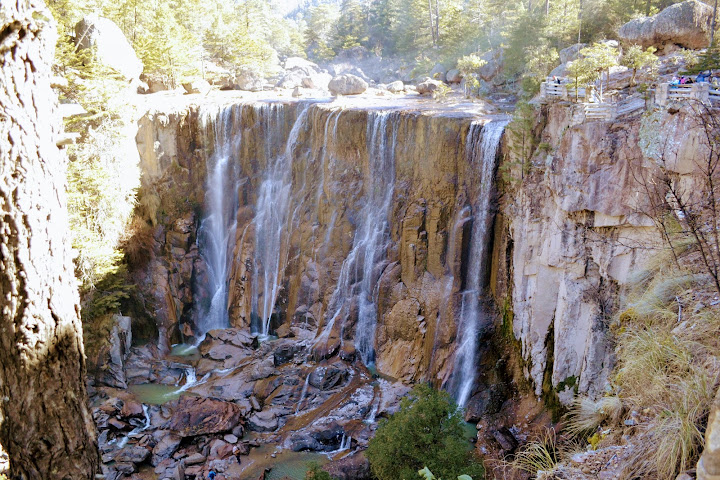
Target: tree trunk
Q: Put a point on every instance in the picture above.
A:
(437, 21)
(45, 424)
(432, 26)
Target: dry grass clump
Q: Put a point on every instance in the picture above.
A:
(667, 366)
(586, 415)
(541, 454)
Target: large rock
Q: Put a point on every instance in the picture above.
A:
(438, 72)
(111, 47)
(111, 362)
(453, 76)
(428, 86)
(708, 468)
(196, 86)
(347, 84)
(571, 53)
(687, 24)
(248, 80)
(493, 64)
(297, 62)
(396, 87)
(317, 81)
(200, 416)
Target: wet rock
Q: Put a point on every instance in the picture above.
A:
(352, 467)
(686, 24)
(347, 351)
(302, 441)
(486, 402)
(284, 353)
(200, 416)
(325, 378)
(347, 84)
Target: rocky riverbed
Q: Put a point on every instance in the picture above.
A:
(215, 407)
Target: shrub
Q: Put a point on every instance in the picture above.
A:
(426, 432)
(315, 472)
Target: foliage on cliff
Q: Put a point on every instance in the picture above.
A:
(426, 432)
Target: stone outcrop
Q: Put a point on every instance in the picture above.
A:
(111, 48)
(686, 24)
(347, 84)
(708, 467)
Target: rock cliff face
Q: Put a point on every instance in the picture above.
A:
(349, 227)
(351, 230)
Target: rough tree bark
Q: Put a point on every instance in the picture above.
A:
(45, 424)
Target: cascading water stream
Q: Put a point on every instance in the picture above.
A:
(358, 274)
(217, 228)
(481, 150)
(272, 219)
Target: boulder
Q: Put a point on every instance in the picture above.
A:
(111, 47)
(134, 454)
(291, 79)
(325, 378)
(687, 24)
(438, 72)
(265, 421)
(165, 447)
(571, 53)
(196, 86)
(428, 86)
(200, 416)
(298, 62)
(708, 468)
(347, 84)
(248, 80)
(112, 356)
(453, 76)
(317, 81)
(396, 86)
(493, 64)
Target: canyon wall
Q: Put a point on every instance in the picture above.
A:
(351, 229)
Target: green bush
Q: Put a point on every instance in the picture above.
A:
(315, 472)
(426, 432)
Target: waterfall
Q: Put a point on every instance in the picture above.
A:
(271, 218)
(358, 274)
(481, 149)
(217, 228)
(303, 394)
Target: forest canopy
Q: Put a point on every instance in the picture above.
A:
(181, 38)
